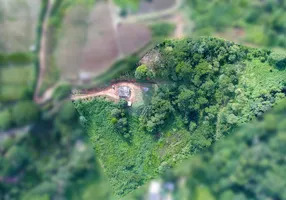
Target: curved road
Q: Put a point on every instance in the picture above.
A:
(42, 58)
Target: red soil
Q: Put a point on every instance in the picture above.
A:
(111, 92)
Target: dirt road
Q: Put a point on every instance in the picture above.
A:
(112, 92)
(42, 57)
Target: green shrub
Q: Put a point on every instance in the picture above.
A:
(67, 112)
(279, 60)
(163, 29)
(141, 72)
(62, 92)
(24, 112)
(18, 58)
(5, 119)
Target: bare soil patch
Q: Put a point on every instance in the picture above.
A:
(133, 37)
(101, 49)
(91, 41)
(72, 41)
(111, 92)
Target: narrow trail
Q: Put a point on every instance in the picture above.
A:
(179, 21)
(42, 58)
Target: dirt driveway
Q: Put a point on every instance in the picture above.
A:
(112, 92)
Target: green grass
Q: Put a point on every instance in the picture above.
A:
(130, 4)
(127, 168)
(141, 159)
(16, 82)
(16, 75)
(12, 92)
(262, 77)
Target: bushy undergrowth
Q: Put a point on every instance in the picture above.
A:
(206, 88)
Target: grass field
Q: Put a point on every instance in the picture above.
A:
(16, 82)
(18, 15)
(72, 36)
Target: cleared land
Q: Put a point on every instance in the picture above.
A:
(101, 49)
(132, 37)
(72, 41)
(111, 92)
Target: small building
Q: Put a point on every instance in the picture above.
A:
(129, 103)
(124, 91)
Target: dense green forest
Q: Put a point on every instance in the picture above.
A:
(202, 90)
(261, 22)
(248, 164)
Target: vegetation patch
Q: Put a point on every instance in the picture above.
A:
(16, 82)
(263, 22)
(206, 88)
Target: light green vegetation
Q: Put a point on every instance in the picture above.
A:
(5, 119)
(19, 114)
(121, 70)
(163, 29)
(258, 22)
(138, 156)
(243, 164)
(127, 4)
(16, 82)
(206, 88)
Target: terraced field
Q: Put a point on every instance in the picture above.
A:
(19, 19)
(95, 41)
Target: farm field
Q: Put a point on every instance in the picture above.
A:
(197, 101)
(133, 37)
(96, 41)
(101, 48)
(72, 36)
(18, 15)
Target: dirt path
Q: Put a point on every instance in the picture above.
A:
(112, 92)
(180, 24)
(42, 57)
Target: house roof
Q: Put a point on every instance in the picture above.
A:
(124, 91)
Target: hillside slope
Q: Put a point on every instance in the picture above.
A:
(202, 90)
